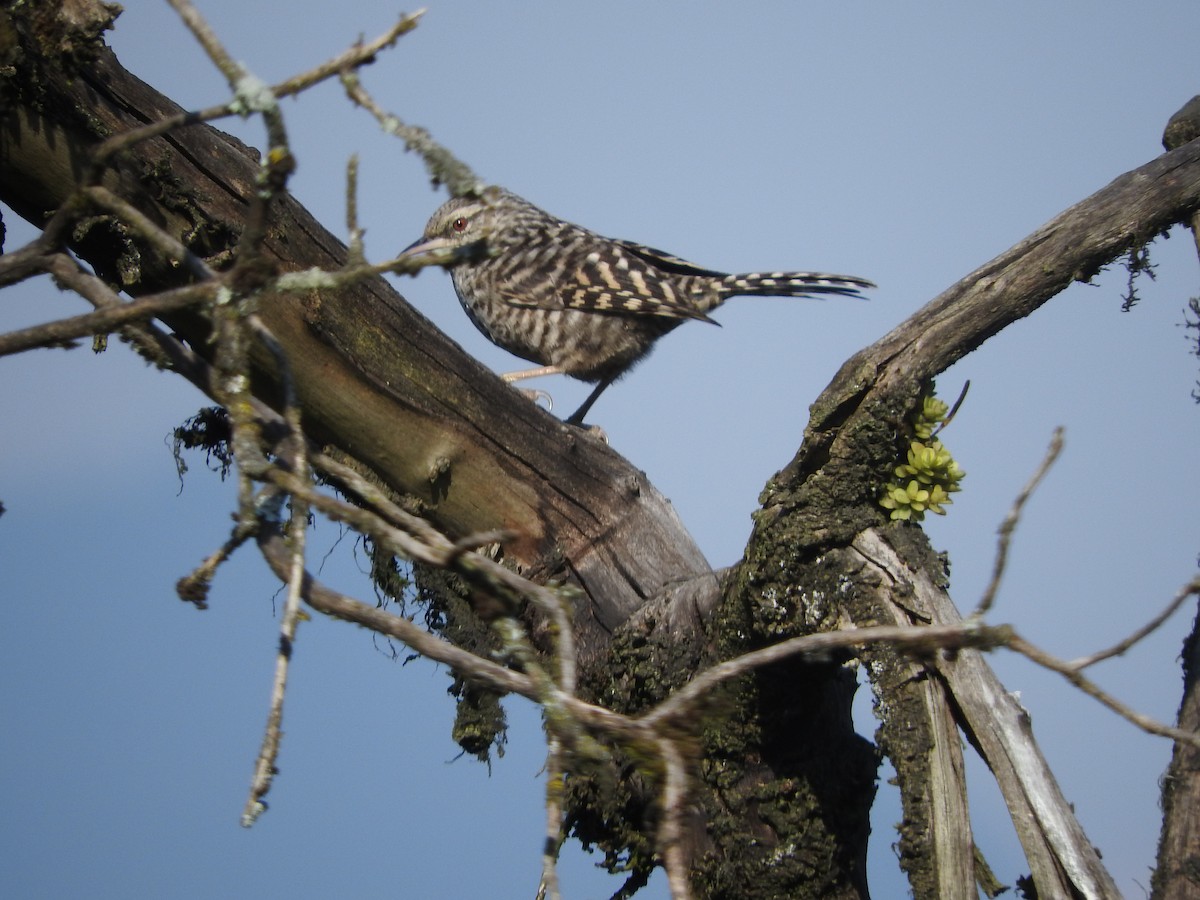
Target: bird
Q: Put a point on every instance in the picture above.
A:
(577, 303)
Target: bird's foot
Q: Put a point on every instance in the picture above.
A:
(537, 396)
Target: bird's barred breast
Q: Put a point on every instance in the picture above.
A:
(587, 345)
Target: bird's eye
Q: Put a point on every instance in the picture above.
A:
(460, 224)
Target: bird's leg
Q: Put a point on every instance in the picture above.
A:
(576, 417)
(510, 377)
(532, 393)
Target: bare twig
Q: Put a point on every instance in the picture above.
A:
(433, 548)
(30, 260)
(670, 837)
(420, 541)
(268, 753)
(167, 245)
(193, 588)
(207, 39)
(1089, 687)
(949, 417)
(332, 603)
(113, 314)
(555, 783)
(45, 255)
(251, 94)
(404, 264)
(916, 639)
(355, 255)
(358, 55)
(295, 457)
(1192, 587)
(1009, 525)
(442, 165)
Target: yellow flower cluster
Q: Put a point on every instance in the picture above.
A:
(924, 483)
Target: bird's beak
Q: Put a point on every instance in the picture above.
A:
(423, 245)
(443, 250)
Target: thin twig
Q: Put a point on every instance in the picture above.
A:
(442, 165)
(166, 244)
(918, 639)
(193, 587)
(1089, 687)
(264, 764)
(439, 551)
(110, 317)
(265, 767)
(311, 279)
(413, 538)
(113, 312)
(232, 312)
(207, 39)
(333, 603)
(30, 260)
(358, 55)
(555, 785)
(355, 254)
(1009, 525)
(670, 837)
(1192, 587)
(296, 458)
(962, 395)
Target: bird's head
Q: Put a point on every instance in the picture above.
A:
(473, 226)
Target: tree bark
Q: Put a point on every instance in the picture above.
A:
(1177, 875)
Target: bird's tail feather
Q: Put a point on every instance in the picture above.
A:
(794, 284)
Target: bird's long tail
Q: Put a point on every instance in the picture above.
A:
(794, 284)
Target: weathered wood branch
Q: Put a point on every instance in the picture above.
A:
(377, 379)
(827, 496)
(1062, 860)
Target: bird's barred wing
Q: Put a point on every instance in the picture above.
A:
(602, 299)
(599, 298)
(612, 278)
(666, 261)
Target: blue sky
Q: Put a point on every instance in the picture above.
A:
(904, 143)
